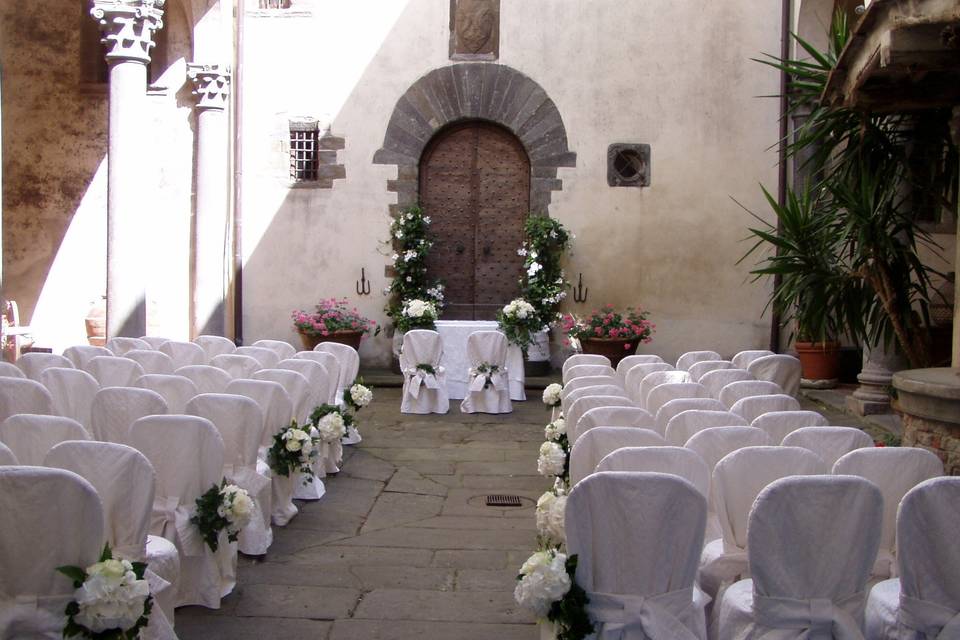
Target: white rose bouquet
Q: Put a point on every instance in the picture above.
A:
(111, 599)
(227, 507)
(547, 587)
(331, 427)
(236, 507)
(551, 395)
(551, 507)
(556, 430)
(518, 321)
(416, 314)
(358, 395)
(552, 460)
(293, 449)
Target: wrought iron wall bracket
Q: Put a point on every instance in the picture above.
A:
(580, 292)
(363, 285)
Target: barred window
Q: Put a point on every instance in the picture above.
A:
(274, 4)
(303, 151)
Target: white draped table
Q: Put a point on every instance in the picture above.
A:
(454, 334)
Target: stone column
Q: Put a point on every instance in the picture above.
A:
(127, 27)
(876, 378)
(211, 86)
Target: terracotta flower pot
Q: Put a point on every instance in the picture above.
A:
(819, 360)
(351, 338)
(616, 349)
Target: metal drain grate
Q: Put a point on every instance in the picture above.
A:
(497, 500)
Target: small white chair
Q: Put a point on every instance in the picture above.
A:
(80, 354)
(779, 368)
(895, 470)
(236, 364)
(267, 358)
(114, 409)
(349, 361)
(184, 354)
(830, 525)
(589, 381)
(692, 357)
(239, 421)
(585, 404)
(207, 378)
(627, 363)
(10, 370)
(686, 424)
(318, 380)
(154, 341)
(7, 458)
(119, 345)
(664, 393)
(566, 402)
(31, 436)
(283, 349)
(582, 358)
(583, 370)
(72, 392)
(655, 379)
(124, 480)
(423, 392)
(296, 386)
(636, 374)
(151, 361)
(924, 601)
(187, 454)
(640, 574)
(753, 407)
(175, 390)
(55, 511)
(779, 424)
(677, 461)
(675, 407)
(747, 388)
(33, 364)
(21, 395)
(744, 358)
(214, 345)
(594, 445)
(717, 379)
(487, 392)
(114, 371)
(615, 417)
(830, 443)
(331, 364)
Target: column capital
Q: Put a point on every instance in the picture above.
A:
(128, 26)
(211, 85)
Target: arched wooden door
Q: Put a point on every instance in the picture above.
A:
(475, 186)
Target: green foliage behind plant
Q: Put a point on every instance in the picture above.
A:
(409, 236)
(544, 284)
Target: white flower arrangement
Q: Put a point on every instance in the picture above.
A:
(111, 599)
(360, 395)
(552, 460)
(225, 507)
(331, 427)
(293, 449)
(552, 395)
(555, 430)
(543, 580)
(551, 508)
(519, 309)
(419, 309)
(236, 508)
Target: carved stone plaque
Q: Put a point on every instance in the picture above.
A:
(474, 29)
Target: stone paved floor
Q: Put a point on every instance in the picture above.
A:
(402, 545)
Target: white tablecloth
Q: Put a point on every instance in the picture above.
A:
(454, 334)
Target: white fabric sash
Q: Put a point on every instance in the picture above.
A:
(33, 616)
(420, 377)
(625, 617)
(930, 619)
(172, 519)
(816, 618)
(498, 379)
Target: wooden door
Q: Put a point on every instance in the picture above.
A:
(475, 186)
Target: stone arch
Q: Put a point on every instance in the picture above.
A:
(476, 91)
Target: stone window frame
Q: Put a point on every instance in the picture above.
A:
(303, 151)
(633, 153)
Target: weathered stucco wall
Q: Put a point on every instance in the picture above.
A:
(676, 76)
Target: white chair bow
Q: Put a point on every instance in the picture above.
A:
(930, 619)
(420, 376)
(821, 617)
(628, 617)
(488, 375)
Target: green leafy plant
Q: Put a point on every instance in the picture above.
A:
(208, 518)
(331, 316)
(543, 284)
(409, 237)
(570, 613)
(519, 321)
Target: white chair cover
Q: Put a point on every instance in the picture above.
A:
(124, 480)
(686, 424)
(114, 371)
(737, 480)
(240, 423)
(755, 406)
(349, 361)
(59, 521)
(624, 366)
(151, 361)
(154, 341)
(6, 456)
(72, 392)
(184, 354)
(655, 379)
(283, 349)
(33, 364)
(594, 445)
(207, 378)
(779, 368)
(31, 436)
(675, 407)
(638, 575)
(20, 395)
(566, 402)
(175, 390)
(81, 354)
(717, 379)
(331, 364)
(10, 370)
(811, 545)
(214, 345)
(582, 358)
(698, 369)
(296, 386)
(318, 381)
(747, 388)
(692, 357)
(119, 345)
(615, 417)
(187, 454)
(585, 404)
(664, 393)
(830, 443)
(744, 358)
(589, 381)
(114, 409)
(236, 364)
(582, 370)
(267, 358)
(638, 372)
(924, 602)
(677, 461)
(895, 470)
(780, 424)
(423, 392)
(488, 347)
